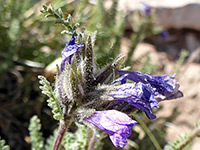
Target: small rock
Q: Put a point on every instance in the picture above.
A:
(179, 17)
(51, 69)
(169, 13)
(145, 48)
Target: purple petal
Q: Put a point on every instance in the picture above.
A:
(163, 86)
(175, 93)
(118, 140)
(121, 79)
(68, 51)
(138, 95)
(116, 124)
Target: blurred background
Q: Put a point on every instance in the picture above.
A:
(159, 37)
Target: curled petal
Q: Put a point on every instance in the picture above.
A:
(68, 51)
(138, 95)
(175, 93)
(164, 84)
(116, 124)
(121, 79)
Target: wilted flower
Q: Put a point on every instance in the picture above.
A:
(165, 85)
(139, 95)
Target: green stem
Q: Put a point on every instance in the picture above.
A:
(146, 129)
(135, 41)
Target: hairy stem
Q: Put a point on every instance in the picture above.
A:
(93, 141)
(89, 134)
(60, 135)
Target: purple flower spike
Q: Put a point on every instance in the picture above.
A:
(68, 51)
(116, 124)
(139, 95)
(145, 8)
(166, 87)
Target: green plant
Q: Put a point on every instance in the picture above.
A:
(36, 137)
(3, 145)
(184, 142)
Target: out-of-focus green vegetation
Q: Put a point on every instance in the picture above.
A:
(25, 38)
(3, 145)
(29, 42)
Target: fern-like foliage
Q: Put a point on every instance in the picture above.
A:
(50, 11)
(77, 140)
(181, 60)
(147, 66)
(71, 141)
(184, 142)
(36, 137)
(52, 101)
(3, 145)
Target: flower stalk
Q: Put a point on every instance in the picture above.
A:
(92, 141)
(59, 137)
(148, 132)
(89, 134)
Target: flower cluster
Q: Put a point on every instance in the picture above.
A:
(95, 97)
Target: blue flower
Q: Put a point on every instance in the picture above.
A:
(139, 95)
(163, 34)
(165, 85)
(116, 124)
(69, 51)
